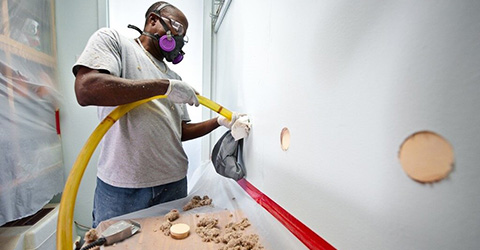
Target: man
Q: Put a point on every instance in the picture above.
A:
(142, 162)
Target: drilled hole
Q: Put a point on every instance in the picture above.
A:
(426, 157)
(285, 139)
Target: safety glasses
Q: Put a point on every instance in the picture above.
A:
(178, 27)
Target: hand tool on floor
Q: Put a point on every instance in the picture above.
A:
(115, 233)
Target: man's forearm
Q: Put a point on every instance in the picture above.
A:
(101, 89)
(195, 130)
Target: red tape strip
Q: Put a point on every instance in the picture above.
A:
(308, 237)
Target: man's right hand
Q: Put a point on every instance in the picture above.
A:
(228, 123)
(181, 92)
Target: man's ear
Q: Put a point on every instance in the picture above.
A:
(152, 18)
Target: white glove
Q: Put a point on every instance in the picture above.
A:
(181, 92)
(241, 128)
(226, 123)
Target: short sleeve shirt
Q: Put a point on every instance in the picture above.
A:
(143, 148)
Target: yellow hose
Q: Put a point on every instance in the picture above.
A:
(67, 203)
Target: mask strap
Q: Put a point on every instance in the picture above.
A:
(165, 27)
(142, 32)
(130, 26)
(160, 8)
(158, 12)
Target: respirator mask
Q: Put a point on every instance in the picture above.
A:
(170, 45)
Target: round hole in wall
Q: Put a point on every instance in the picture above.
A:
(426, 157)
(285, 139)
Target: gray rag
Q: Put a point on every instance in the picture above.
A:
(227, 157)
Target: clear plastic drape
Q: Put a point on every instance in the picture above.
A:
(227, 196)
(31, 165)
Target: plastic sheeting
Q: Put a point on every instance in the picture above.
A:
(226, 195)
(31, 164)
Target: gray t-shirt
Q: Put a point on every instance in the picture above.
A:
(143, 148)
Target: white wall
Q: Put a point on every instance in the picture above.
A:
(75, 23)
(352, 80)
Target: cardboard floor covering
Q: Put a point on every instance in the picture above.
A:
(151, 237)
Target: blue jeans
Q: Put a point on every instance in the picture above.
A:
(110, 201)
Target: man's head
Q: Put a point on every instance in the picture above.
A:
(167, 27)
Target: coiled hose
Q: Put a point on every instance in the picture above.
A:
(67, 203)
